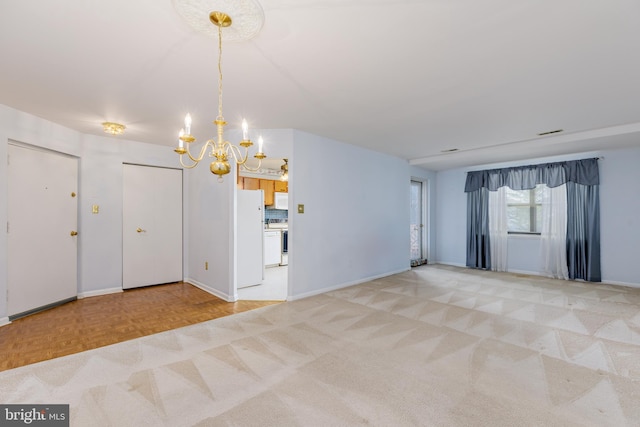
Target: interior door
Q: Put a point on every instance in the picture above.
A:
(416, 225)
(151, 226)
(41, 229)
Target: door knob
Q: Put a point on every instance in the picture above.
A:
(74, 233)
(140, 230)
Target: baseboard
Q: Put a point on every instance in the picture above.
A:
(453, 264)
(537, 273)
(4, 321)
(210, 290)
(625, 284)
(345, 285)
(99, 292)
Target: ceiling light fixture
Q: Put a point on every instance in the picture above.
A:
(220, 149)
(113, 128)
(285, 170)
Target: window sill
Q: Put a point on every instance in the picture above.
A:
(524, 235)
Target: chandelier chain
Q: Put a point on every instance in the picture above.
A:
(220, 117)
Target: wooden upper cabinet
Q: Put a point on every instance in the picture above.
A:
(281, 186)
(251, 183)
(268, 186)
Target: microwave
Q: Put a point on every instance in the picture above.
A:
(281, 201)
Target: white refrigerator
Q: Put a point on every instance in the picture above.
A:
(250, 232)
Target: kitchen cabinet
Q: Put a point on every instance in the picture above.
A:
(268, 187)
(281, 186)
(272, 247)
(251, 183)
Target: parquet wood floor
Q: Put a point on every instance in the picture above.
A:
(103, 320)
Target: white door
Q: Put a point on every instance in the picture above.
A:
(250, 229)
(151, 226)
(42, 220)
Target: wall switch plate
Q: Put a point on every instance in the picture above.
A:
(95, 209)
(300, 209)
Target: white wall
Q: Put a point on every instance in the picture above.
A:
(355, 224)
(619, 224)
(100, 175)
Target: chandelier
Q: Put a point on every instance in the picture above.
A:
(220, 149)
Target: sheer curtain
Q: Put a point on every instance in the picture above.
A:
(498, 229)
(553, 237)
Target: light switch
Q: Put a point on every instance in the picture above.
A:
(95, 209)
(300, 209)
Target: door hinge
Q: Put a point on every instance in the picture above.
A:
(7, 227)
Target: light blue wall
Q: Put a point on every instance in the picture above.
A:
(619, 225)
(355, 224)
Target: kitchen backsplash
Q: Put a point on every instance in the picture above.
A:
(276, 215)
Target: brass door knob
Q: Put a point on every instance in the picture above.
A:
(140, 230)
(74, 233)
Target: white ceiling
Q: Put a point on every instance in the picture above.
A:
(409, 78)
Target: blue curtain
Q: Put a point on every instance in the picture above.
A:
(583, 210)
(583, 232)
(478, 248)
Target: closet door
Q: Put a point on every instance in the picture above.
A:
(151, 226)
(42, 228)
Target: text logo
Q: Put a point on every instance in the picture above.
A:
(34, 415)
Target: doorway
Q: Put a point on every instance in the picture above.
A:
(151, 226)
(41, 229)
(273, 234)
(417, 230)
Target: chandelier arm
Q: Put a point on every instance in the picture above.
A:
(187, 166)
(257, 168)
(237, 154)
(201, 155)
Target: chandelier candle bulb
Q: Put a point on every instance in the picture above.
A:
(245, 130)
(260, 142)
(187, 124)
(180, 141)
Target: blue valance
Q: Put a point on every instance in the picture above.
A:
(583, 172)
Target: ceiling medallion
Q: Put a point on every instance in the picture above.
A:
(248, 17)
(113, 128)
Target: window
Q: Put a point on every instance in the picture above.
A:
(524, 210)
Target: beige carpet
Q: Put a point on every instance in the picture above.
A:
(434, 346)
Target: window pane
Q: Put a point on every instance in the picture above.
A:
(517, 196)
(518, 218)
